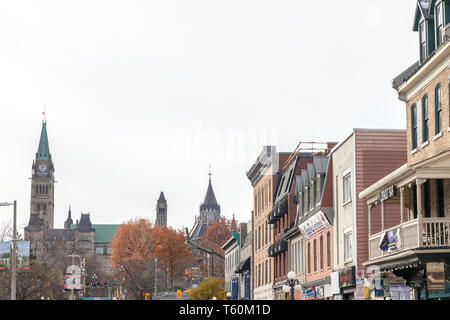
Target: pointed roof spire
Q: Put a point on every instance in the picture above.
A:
(43, 152)
(210, 202)
(161, 197)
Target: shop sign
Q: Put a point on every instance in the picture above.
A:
(435, 276)
(347, 277)
(434, 294)
(314, 225)
(309, 293)
(388, 193)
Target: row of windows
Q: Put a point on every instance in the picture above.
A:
(262, 198)
(425, 113)
(432, 34)
(310, 196)
(263, 236)
(40, 206)
(297, 257)
(41, 189)
(231, 261)
(313, 257)
(263, 274)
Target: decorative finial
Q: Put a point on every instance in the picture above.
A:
(210, 174)
(43, 113)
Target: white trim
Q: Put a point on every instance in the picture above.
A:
(347, 230)
(413, 151)
(426, 73)
(346, 171)
(423, 145)
(437, 136)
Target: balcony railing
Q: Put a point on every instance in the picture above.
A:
(435, 233)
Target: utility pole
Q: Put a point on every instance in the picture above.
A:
(14, 255)
(14, 249)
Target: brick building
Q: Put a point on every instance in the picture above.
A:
(416, 236)
(264, 175)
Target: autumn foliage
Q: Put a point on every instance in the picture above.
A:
(172, 250)
(209, 288)
(214, 237)
(135, 248)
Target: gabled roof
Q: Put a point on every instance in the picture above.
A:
(43, 152)
(424, 9)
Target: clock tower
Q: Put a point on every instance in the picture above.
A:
(42, 184)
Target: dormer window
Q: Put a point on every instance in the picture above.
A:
(423, 41)
(318, 189)
(439, 18)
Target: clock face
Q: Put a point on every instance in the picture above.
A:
(42, 167)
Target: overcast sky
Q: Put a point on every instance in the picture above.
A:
(142, 96)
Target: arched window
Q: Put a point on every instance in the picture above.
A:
(315, 255)
(438, 108)
(414, 126)
(425, 118)
(309, 257)
(321, 252)
(328, 249)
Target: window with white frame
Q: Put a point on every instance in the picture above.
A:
(318, 189)
(347, 187)
(439, 24)
(347, 246)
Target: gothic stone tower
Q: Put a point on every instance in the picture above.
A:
(42, 185)
(161, 211)
(208, 214)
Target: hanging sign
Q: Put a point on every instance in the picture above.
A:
(435, 276)
(5, 256)
(314, 225)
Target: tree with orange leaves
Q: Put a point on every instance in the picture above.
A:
(132, 256)
(214, 237)
(172, 251)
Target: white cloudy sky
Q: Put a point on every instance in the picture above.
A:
(141, 96)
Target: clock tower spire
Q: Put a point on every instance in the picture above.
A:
(42, 185)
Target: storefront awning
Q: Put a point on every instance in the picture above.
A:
(243, 266)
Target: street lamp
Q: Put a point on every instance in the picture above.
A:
(14, 249)
(291, 284)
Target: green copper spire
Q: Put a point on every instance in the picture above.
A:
(43, 152)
